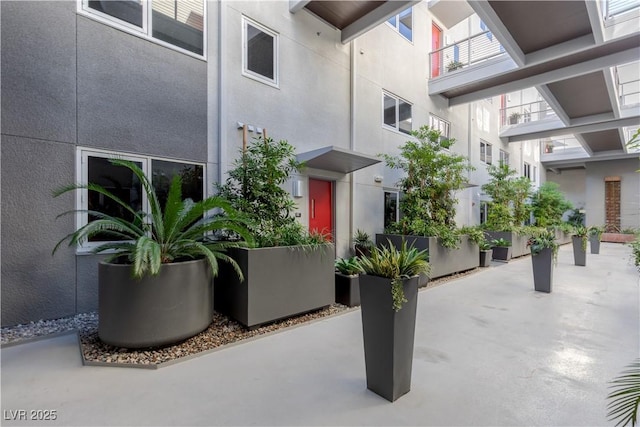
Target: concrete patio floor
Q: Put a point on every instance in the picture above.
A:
(488, 351)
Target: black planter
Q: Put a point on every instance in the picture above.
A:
(579, 254)
(279, 282)
(518, 241)
(156, 310)
(485, 258)
(388, 335)
(348, 289)
(594, 243)
(543, 270)
(501, 253)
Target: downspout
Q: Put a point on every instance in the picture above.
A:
(222, 113)
(352, 135)
(469, 124)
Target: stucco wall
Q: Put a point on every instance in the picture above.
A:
(69, 81)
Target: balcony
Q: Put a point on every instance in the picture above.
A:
(472, 50)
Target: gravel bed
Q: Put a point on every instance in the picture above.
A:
(222, 331)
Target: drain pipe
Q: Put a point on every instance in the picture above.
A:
(222, 112)
(469, 124)
(352, 135)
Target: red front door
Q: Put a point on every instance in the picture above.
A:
(321, 207)
(436, 43)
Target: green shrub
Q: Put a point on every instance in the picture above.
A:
(348, 266)
(549, 204)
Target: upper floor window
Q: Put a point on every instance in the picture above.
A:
(174, 23)
(403, 23)
(260, 52)
(526, 170)
(443, 126)
(504, 158)
(396, 113)
(485, 152)
(96, 168)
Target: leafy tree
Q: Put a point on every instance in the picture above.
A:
(522, 192)
(432, 176)
(549, 204)
(508, 207)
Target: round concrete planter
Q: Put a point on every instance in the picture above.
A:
(156, 310)
(388, 335)
(543, 270)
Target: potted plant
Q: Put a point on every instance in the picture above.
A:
(155, 287)
(579, 238)
(501, 249)
(544, 252)
(348, 281)
(362, 243)
(485, 254)
(288, 270)
(595, 236)
(454, 65)
(432, 175)
(514, 118)
(389, 297)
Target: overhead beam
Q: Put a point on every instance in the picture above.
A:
(595, 18)
(553, 103)
(297, 5)
(584, 128)
(375, 18)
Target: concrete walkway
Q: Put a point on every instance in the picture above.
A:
(488, 351)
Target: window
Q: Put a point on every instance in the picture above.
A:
(485, 152)
(391, 208)
(443, 126)
(484, 212)
(396, 113)
(534, 177)
(403, 23)
(504, 158)
(260, 55)
(96, 168)
(174, 23)
(526, 170)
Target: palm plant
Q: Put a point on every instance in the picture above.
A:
(396, 264)
(625, 396)
(179, 231)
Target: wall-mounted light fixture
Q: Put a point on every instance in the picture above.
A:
(296, 191)
(378, 178)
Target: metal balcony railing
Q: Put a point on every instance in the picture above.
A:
(629, 92)
(613, 8)
(567, 147)
(524, 113)
(477, 48)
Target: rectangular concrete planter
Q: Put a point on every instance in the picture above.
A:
(388, 335)
(348, 289)
(278, 282)
(562, 237)
(594, 244)
(543, 270)
(443, 261)
(501, 253)
(579, 254)
(518, 241)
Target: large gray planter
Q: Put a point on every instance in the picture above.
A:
(579, 254)
(518, 241)
(501, 253)
(562, 237)
(443, 261)
(543, 270)
(278, 283)
(594, 244)
(388, 335)
(156, 310)
(348, 289)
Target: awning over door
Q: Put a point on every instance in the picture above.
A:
(336, 159)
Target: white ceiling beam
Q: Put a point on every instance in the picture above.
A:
(484, 10)
(612, 90)
(595, 18)
(584, 128)
(297, 5)
(584, 144)
(375, 18)
(554, 104)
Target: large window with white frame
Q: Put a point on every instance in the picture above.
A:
(95, 167)
(485, 152)
(396, 113)
(178, 24)
(526, 170)
(504, 158)
(260, 52)
(403, 23)
(442, 125)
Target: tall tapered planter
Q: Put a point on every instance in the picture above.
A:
(579, 253)
(543, 270)
(594, 243)
(156, 310)
(388, 335)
